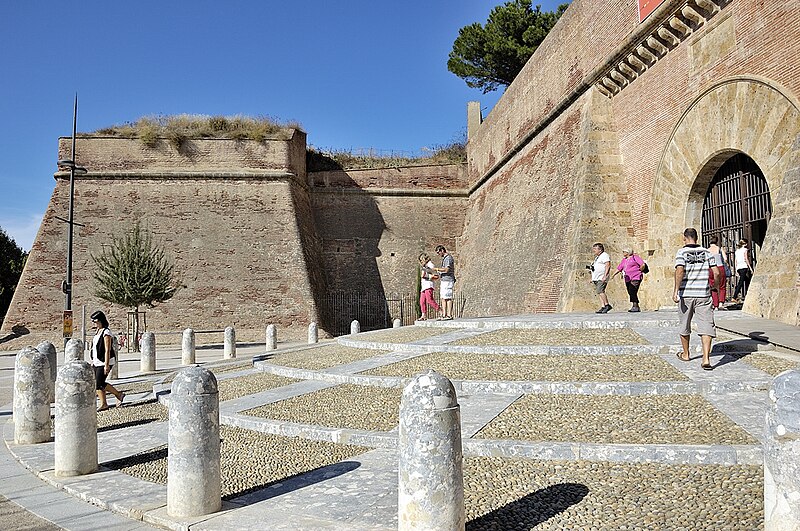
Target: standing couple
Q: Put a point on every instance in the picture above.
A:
(447, 278)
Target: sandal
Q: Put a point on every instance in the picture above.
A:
(680, 357)
(121, 398)
(707, 367)
(102, 408)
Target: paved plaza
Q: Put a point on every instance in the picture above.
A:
(569, 421)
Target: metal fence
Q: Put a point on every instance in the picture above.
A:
(374, 311)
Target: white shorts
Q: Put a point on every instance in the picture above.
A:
(446, 289)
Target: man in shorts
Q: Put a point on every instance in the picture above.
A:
(693, 295)
(601, 267)
(447, 278)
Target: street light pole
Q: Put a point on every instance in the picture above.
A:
(68, 283)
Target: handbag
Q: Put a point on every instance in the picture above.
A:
(728, 272)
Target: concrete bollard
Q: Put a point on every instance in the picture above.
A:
(73, 350)
(147, 363)
(397, 323)
(49, 350)
(31, 397)
(193, 469)
(355, 327)
(313, 333)
(230, 343)
(272, 337)
(782, 454)
(431, 479)
(76, 420)
(187, 347)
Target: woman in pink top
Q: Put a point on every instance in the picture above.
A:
(631, 269)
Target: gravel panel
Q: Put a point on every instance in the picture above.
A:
(546, 367)
(522, 494)
(135, 387)
(344, 406)
(553, 337)
(131, 415)
(771, 365)
(250, 384)
(322, 357)
(669, 419)
(406, 334)
(249, 460)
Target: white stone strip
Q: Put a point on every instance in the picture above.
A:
(746, 409)
(332, 378)
(576, 321)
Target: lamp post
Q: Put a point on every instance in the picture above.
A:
(66, 285)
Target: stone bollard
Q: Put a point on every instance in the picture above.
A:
(230, 343)
(355, 327)
(313, 333)
(74, 350)
(31, 397)
(49, 350)
(782, 454)
(147, 362)
(397, 323)
(76, 420)
(187, 347)
(431, 479)
(272, 337)
(193, 467)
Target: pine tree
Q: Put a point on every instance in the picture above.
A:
(12, 261)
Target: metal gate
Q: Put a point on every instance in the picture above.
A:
(737, 206)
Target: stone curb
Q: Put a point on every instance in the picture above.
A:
(578, 323)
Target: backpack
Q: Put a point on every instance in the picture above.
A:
(101, 355)
(645, 267)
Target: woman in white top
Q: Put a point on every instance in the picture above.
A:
(102, 359)
(744, 269)
(427, 276)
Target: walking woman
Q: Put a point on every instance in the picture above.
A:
(717, 297)
(631, 269)
(744, 269)
(102, 359)
(427, 276)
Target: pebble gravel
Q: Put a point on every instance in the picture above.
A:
(551, 368)
(516, 494)
(321, 357)
(771, 365)
(249, 460)
(344, 406)
(131, 415)
(405, 334)
(250, 384)
(668, 419)
(555, 337)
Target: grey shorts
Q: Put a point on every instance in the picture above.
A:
(699, 309)
(600, 286)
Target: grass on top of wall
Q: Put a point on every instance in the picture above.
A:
(326, 160)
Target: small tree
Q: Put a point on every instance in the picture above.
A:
(492, 55)
(12, 261)
(133, 271)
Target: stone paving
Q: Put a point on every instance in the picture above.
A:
(584, 433)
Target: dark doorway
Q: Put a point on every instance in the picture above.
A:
(737, 206)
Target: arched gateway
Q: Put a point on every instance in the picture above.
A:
(741, 128)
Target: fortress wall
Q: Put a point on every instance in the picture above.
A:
(580, 42)
(374, 223)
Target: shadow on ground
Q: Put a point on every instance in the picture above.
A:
(532, 509)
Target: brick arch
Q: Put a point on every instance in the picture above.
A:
(738, 115)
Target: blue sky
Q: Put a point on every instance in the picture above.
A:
(355, 74)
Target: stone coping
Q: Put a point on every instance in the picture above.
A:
(560, 321)
(527, 387)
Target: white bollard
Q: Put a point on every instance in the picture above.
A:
(313, 333)
(193, 467)
(147, 363)
(782, 454)
(431, 479)
(74, 350)
(230, 343)
(49, 350)
(31, 397)
(76, 420)
(397, 323)
(188, 347)
(272, 337)
(355, 327)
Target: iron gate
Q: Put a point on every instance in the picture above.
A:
(737, 206)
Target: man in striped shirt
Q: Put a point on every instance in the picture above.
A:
(692, 263)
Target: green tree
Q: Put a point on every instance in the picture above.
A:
(133, 271)
(492, 55)
(12, 261)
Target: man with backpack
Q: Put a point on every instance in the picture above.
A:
(104, 355)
